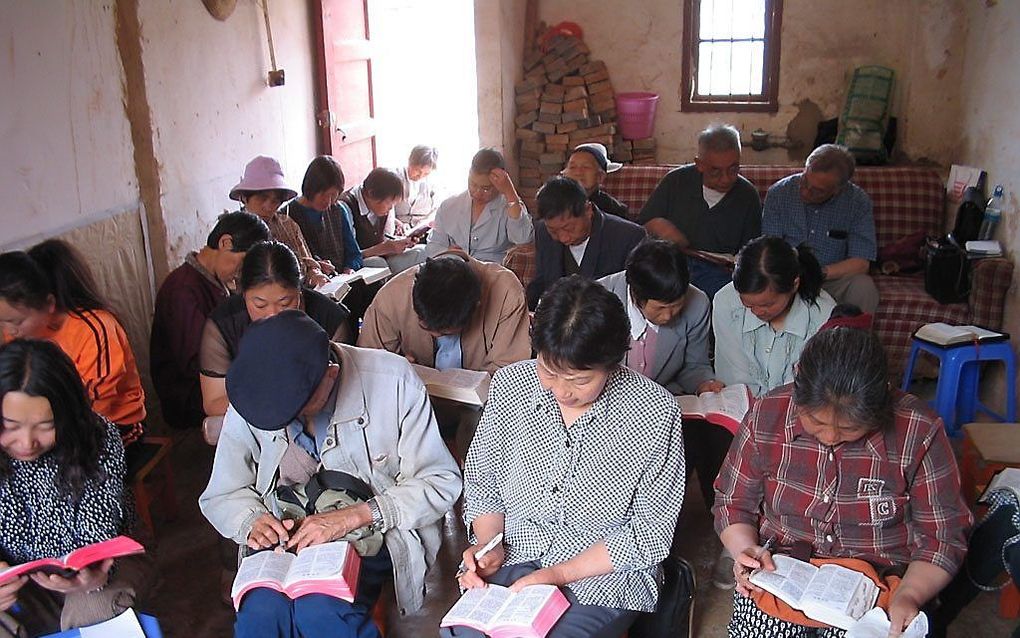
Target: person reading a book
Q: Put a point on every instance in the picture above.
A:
(485, 220)
(269, 283)
(838, 465)
(707, 206)
(261, 191)
(589, 164)
(579, 462)
(822, 208)
(49, 293)
(300, 404)
(418, 206)
(61, 488)
(375, 225)
(574, 237)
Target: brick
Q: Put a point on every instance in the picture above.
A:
(528, 135)
(532, 59)
(593, 66)
(545, 127)
(525, 86)
(608, 114)
(525, 118)
(528, 162)
(551, 159)
(556, 98)
(527, 96)
(557, 148)
(596, 76)
(575, 93)
(558, 74)
(551, 118)
(556, 139)
(573, 80)
(599, 87)
(530, 105)
(535, 148)
(566, 127)
(531, 182)
(553, 90)
(555, 65)
(575, 63)
(645, 162)
(537, 75)
(528, 172)
(603, 102)
(575, 106)
(574, 116)
(644, 143)
(551, 107)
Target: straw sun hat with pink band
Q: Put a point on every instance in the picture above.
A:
(262, 174)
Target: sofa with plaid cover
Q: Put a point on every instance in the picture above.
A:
(907, 200)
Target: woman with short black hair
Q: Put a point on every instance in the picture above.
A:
(841, 463)
(269, 283)
(579, 462)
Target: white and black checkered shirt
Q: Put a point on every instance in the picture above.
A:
(616, 475)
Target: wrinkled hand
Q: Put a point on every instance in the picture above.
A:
(267, 531)
(501, 181)
(316, 279)
(9, 591)
(329, 526)
(544, 576)
(712, 385)
(744, 563)
(478, 571)
(88, 579)
(396, 246)
(902, 609)
(327, 266)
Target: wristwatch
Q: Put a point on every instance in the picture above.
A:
(377, 524)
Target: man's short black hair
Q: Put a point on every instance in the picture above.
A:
(561, 196)
(382, 183)
(446, 293)
(657, 269)
(580, 325)
(485, 160)
(245, 229)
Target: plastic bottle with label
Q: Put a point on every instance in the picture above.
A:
(993, 213)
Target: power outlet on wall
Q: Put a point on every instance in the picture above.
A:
(276, 78)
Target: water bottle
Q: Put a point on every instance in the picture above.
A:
(993, 212)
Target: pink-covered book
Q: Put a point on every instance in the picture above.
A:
(500, 613)
(77, 560)
(726, 407)
(329, 568)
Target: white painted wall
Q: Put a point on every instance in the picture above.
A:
(990, 126)
(822, 42)
(66, 144)
(212, 110)
(499, 42)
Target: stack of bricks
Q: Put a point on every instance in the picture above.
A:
(566, 99)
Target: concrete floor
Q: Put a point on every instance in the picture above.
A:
(189, 602)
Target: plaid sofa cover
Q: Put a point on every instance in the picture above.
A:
(907, 200)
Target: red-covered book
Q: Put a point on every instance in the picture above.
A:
(77, 560)
(329, 568)
(726, 408)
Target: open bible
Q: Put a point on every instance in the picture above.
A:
(77, 560)
(500, 613)
(329, 568)
(340, 284)
(726, 407)
(832, 594)
(943, 334)
(455, 384)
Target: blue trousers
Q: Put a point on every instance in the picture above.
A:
(266, 613)
(708, 277)
(579, 621)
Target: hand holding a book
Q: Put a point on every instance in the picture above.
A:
(327, 266)
(9, 590)
(268, 531)
(712, 385)
(330, 526)
(89, 579)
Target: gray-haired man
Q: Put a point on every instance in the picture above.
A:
(822, 208)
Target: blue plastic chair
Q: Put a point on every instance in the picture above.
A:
(956, 396)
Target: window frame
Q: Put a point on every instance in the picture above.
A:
(767, 102)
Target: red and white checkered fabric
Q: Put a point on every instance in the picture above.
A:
(520, 260)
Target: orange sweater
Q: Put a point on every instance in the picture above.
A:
(97, 344)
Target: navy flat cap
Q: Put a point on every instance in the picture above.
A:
(280, 362)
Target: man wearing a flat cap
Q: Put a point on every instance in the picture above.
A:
(300, 405)
(589, 164)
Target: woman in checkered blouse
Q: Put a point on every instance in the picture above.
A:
(579, 462)
(839, 463)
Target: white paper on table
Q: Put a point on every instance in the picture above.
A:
(125, 625)
(875, 624)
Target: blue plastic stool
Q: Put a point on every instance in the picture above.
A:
(956, 396)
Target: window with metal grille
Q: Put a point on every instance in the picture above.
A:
(731, 55)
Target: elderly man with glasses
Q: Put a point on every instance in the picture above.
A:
(822, 208)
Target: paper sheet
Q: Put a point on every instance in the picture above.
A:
(125, 625)
(875, 624)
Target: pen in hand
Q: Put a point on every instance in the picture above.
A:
(279, 516)
(767, 547)
(488, 547)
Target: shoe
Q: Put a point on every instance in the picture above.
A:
(722, 571)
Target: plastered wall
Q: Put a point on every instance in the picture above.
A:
(822, 42)
(990, 128)
(499, 49)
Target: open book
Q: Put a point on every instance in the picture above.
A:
(500, 613)
(719, 259)
(77, 560)
(831, 594)
(943, 334)
(726, 407)
(340, 284)
(329, 568)
(455, 384)
(1006, 479)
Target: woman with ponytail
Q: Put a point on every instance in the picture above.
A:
(763, 318)
(48, 293)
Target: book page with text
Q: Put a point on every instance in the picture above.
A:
(789, 581)
(690, 405)
(835, 587)
(524, 607)
(264, 566)
(319, 562)
(489, 605)
(731, 401)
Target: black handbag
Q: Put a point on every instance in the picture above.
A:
(946, 270)
(674, 614)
